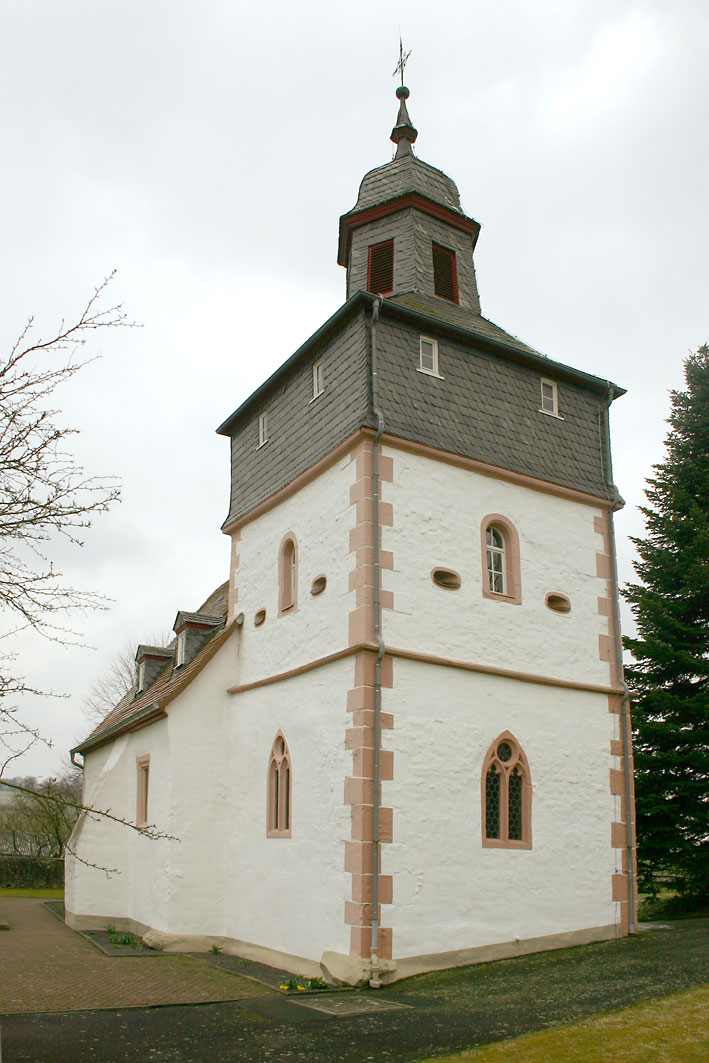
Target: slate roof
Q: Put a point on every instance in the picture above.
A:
(135, 710)
(208, 619)
(404, 175)
(453, 314)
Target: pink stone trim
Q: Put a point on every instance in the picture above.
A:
(288, 574)
(318, 585)
(359, 737)
(407, 446)
(603, 566)
(494, 471)
(606, 648)
(513, 572)
(233, 575)
(279, 790)
(454, 585)
(558, 603)
(517, 760)
(143, 783)
(605, 607)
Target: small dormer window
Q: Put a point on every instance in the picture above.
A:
(549, 398)
(445, 279)
(141, 676)
(180, 652)
(318, 385)
(380, 268)
(262, 429)
(428, 356)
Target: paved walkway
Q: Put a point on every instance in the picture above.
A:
(45, 967)
(48, 973)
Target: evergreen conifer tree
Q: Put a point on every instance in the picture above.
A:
(669, 678)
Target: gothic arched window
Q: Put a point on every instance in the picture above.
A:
(506, 796)
(288, 574)
(279, 790)
(499, 542)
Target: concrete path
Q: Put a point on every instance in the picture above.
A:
(46, 967)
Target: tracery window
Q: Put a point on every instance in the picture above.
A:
(279, 788)
(506, 796)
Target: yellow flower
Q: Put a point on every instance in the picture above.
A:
(283, 987)
(301, 988)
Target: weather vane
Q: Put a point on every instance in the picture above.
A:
(403, 60)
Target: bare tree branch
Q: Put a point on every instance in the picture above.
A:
(44, 494)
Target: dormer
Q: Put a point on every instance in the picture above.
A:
(407, 231)
(194, 630)
(151, 662)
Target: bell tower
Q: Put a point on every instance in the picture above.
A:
(407, 234)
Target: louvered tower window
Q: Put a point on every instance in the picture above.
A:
(445, 280)
(380, 268)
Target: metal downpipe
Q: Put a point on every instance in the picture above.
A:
(625, 726)
(375, 981)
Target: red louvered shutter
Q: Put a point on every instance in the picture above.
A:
(445, 280)
(380, 268)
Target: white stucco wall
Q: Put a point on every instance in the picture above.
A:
(134, 887)
(208, 770)
(289, 893)
(438, 509)
(209, 758)
(450, 892)
(321, 518)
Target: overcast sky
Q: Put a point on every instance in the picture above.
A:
(207, 149)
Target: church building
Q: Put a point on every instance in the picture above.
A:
(397, 739)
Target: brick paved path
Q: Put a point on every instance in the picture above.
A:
(45, 966)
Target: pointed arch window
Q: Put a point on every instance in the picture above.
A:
(279, 790)
(499, 548)
(506, 790)
(288, 574)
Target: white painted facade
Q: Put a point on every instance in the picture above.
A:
(222, 877)
(284, 898)
(438, 509)
(458, 669)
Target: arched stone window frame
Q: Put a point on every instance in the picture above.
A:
(142, 765)
(288, 574)
(516, 765)
(512, 571)
(279, 790)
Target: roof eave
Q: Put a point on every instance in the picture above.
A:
(354, 218)
(529, 358)
(156, 709)
(334, 322)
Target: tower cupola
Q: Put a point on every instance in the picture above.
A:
(407, 233)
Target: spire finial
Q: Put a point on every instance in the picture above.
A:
(403, 134)
(403, 60)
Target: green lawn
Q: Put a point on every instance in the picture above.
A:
(672, 1029)
(47, 893)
